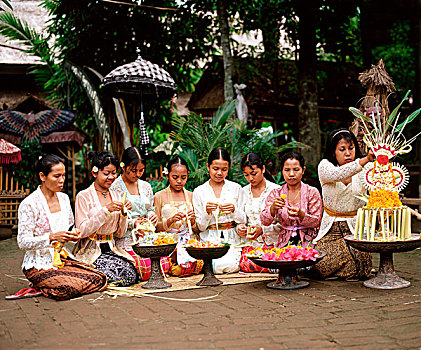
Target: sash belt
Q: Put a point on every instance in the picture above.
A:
(340, 214)
(222, 226)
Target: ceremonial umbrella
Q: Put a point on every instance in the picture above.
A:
(9, 153)
(140, 78)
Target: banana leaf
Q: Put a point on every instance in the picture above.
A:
(395, 111)
(410, 118)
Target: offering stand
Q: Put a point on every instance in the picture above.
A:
(155, 252)
(287, 271)
(386, 277)
(207, 255)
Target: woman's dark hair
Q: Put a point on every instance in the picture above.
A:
(46, 162)
(219, 153)
(177, 161)
(251, 159)
(102, 159)
(292, 155)
(132, 156)
(332, 141)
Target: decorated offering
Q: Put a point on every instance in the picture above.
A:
(384, 218)
(288, 253)
(193, 243)
(157, 238)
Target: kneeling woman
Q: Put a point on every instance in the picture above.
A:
(217, 205)
(45, 218)
(339, 177)
(296, 205)
(173, 207)
(255, 193)
(101, 217)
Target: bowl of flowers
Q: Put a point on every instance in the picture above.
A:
(286, 260)
(207, 251)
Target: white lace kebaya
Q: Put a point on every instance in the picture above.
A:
(336, 195)
(36, 223)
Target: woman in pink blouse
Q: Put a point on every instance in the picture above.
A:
(101, 217)
(296, 205)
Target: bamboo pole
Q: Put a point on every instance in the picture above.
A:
(73, 175)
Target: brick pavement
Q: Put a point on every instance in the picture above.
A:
(327, 315)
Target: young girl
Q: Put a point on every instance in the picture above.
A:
(296, 205)
(222, 198)
(140, 194)
(45, 221)
(101, 217)
(173, 206)
(338, 175)
(255, 194)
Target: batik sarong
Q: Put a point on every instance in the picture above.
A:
(70, 281)
(118, 269)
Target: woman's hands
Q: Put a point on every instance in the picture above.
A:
(115, 206)
(368, 158)
(226, 208)
(180, 216)
(64, 236)
(153, 218)
(256, 231)
(295, 212)
(278, 203)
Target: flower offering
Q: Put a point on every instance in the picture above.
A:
(193, 243)
(288, 253)
(158, 238)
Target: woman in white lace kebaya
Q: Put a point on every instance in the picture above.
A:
(45, 221)
(339, 177)
(255, 194)
(222, 199)
(140, 194)
(101, 217)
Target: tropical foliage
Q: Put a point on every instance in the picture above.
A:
(198, 137)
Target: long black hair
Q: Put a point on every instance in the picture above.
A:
(177, 161)
(102, 159)
(291, 155)
(332, 141)
(46, 163)
(132, 156)
(219, 153)
(251, 159)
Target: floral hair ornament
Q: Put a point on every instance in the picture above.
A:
(122, 165)
(95, 169)
(165, 171)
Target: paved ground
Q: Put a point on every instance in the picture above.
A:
(326, 315)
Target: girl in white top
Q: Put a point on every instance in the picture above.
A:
(223, 199)
(255, 194)
(45, 221)
(338, 175)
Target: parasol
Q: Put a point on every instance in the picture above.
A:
(31, 126)
(9, 153)
(140, 78)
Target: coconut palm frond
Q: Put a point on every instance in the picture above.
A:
(395, 111)
(223, 113)
(409, 119)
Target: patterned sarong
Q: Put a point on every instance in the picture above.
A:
(143, 265)
(71, 281)
(118, 269)
(341, 260)
(246, 265)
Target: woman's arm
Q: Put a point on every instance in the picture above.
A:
(266, 217)
(202, 217)
(158, 202)
(329, 173)
(88, 220)
(26, 228)
(313, 216)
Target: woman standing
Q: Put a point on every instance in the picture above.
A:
(255, 194)
(173, 207)
(45, 221)
(140, 195)
(296, 205)
(101, 217)
(219, 200)
(338, 175)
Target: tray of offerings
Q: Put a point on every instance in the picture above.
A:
(386, 277)
(155, 252)
(298, 257)
(207, 252)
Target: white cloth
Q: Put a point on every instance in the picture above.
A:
(336, 195)
(35, 225)
(231, 193)
(253, 207)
